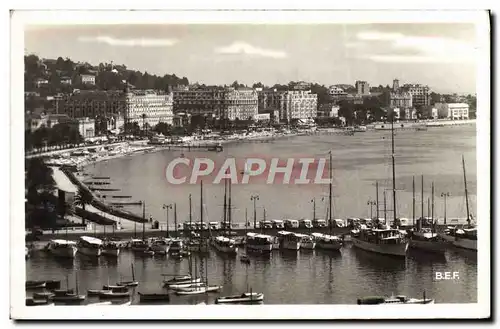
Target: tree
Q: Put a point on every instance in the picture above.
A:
(162, 128)
(82, 199)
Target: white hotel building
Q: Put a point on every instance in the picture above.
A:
(150, 107)
(453, 111)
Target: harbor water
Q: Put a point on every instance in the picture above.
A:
(303, 277)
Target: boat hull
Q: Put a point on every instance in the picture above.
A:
(95, 252)
(68, 252)
(431, 246)
(240, 300)
(308, 245)
(398, 250)
(225, 249)
(290, 245)
(186, 285)
(111, 252)
(465, 243)
(181, 282)
(329, 246)
(264, 248)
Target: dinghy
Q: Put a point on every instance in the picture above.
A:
(245, 298)
(198, 290)
(188, 281)
(186, 285)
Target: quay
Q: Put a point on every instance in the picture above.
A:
(238, 231)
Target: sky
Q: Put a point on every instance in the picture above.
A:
(442, 56)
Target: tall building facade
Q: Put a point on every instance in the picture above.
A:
(291, 104)
(401, 99)
(91, 104)
(148, 106)
(395, 85)
(229, 103)
(454, 111)
(362, 88)
(421, 95)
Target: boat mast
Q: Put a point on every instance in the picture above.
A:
(201, 209)
(225, 205)
(376, 197)
(385, 209)
(229, 208)
(466, 192)
(432, 206)
(175, 219)
(190, 214)
(413, 201)
(314, 208)
(330, 196)
(133, 273)
(393, 172)
(422, 203)
(143, 219)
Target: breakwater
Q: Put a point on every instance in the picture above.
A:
(96, 202)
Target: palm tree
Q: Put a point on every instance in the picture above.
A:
(83, 198)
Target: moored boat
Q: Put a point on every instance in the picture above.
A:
(153, 297)
(289, 240)
(306, 241)
(225, 245)
(62, 248)
(186, 285)
(90, 246)
(35, 284)
(198, 290)
(400, 299)
(160, 246)
(466, 238)
(258, 243)
(110, 248)
(327, 242)
(245, 298)
(382, 241)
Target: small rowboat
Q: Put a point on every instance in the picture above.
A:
(37, 302)
(198, 290)
(113, 294)
(35, 284)
(71, 298)
(43, 295)
(186, 285)
(245, 298)
(153, 297)
(96, 292)
(186, 281)
(128, 283)
(111, 287)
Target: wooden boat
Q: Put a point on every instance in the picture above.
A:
(53, 284)
(198, 290)
(61, 292)
(36, 284)
(186, 285)
(43, 295)
(37, 302)
(96, 292)
(111, 287)
(114, 294)
(245, 298)
(153, 297)
(69, 298)
(186, 279)
(377, 300)
(111, 303)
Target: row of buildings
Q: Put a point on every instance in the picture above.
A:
(177, 106)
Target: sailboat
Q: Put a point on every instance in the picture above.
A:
(197, 244)
(132, 283)
(466, 237)
(325, 241)
(223, 243)
(425, 238)
(388, 241)
(68, 296)
(198, 288)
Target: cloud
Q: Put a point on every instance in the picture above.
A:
(428, 49)
(245, 48)
(142, 42)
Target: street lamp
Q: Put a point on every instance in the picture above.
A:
(254, 198)
(167, 207)
(371, 203)
(445, 195)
